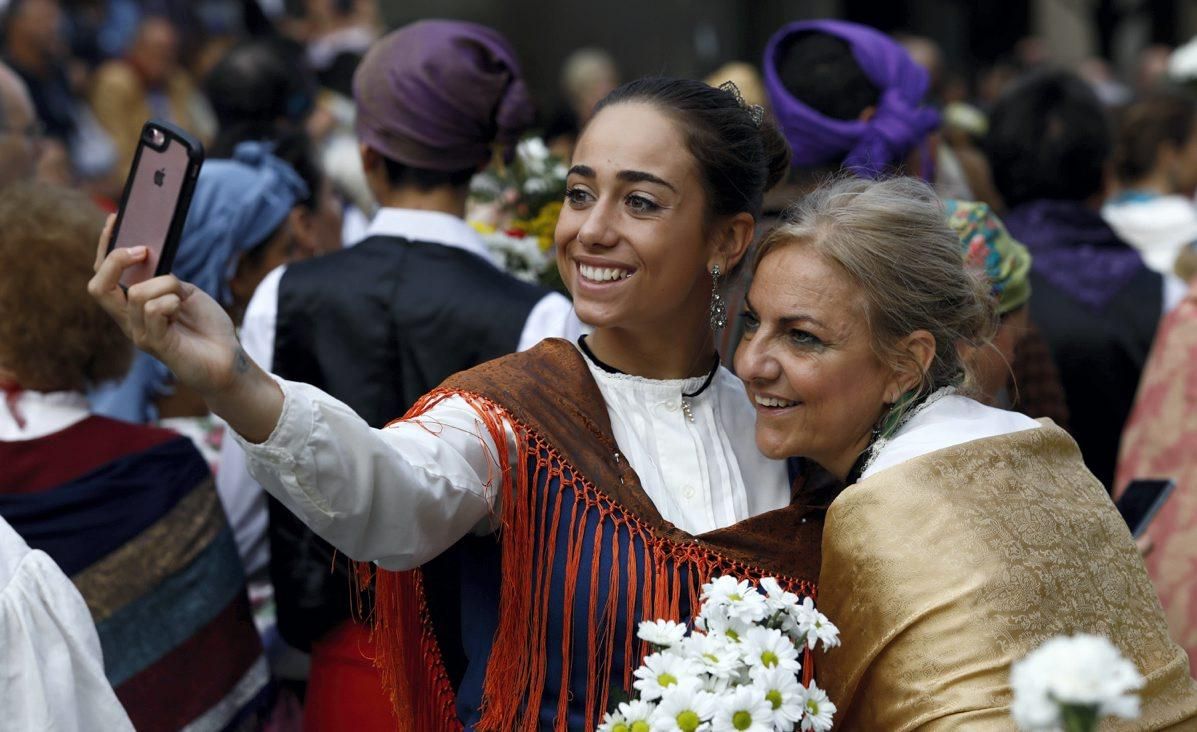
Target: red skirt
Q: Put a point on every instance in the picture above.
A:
(344, 688)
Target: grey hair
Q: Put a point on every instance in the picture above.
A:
(892, 239)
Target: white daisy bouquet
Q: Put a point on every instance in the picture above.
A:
(737, 670)
(1069, 683)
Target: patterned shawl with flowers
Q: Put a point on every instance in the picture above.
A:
(1160, 441)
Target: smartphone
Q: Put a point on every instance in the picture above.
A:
(157, 194)
(1141, 500)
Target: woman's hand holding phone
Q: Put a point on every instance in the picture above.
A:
(184, 328)
(156, 198)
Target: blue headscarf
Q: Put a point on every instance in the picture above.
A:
(236, 206)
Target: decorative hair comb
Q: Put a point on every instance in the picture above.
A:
(755, 111)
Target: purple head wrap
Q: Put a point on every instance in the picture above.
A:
(867, 148)
(437, 93)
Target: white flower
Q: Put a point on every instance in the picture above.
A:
(532, 149)
(818, 710)
(716, 655)
(778, 598)
(613, 721)
(826, 632)
(536, 185)
(521, 255)
(663, 670)
(784, 694)
(1182, 64)
(1084, 671)
(813, 626)
(716, 623)
(485, 185)
(717, 686)
(665, 633)
(734, 599)
(684, 709)
(1034, 710)
(770, 648)
(745, 709)
(724, 589)
(637, 715)
(773, 588)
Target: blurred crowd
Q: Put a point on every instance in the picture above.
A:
(1095, 175)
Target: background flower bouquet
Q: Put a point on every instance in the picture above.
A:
(738, 669)
(515, 207)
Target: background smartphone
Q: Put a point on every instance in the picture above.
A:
(1141, 500)
(156, 196)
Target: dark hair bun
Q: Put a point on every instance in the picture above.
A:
(737, 158)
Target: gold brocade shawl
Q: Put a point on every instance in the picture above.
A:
(942, 571)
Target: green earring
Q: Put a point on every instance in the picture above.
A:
(892, 419)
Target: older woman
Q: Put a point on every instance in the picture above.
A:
(128, 511)
(622, 469)
(967, 535)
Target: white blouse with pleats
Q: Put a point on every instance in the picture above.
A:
(404, 494)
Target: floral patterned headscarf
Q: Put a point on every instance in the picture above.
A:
(989, 248)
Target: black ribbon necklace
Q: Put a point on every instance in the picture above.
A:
(685, 396)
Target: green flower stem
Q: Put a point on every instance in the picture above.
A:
(1077, 718)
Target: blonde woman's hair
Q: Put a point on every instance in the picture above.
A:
(892, 239)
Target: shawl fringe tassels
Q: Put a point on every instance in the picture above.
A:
(409, 658)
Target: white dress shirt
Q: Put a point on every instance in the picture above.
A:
(51, 665)
(402, 495)
(553, 316)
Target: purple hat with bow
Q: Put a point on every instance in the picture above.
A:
(867, 148)
(437, 94)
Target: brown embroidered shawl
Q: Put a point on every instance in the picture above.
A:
(564, 435)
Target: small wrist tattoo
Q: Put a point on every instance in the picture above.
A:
(241, 361)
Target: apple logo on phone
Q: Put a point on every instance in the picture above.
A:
(159, 176)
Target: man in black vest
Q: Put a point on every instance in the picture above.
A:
(382, 323)
(1095, 300)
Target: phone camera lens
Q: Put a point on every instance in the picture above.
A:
(156, 137)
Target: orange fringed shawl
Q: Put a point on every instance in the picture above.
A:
(565, 444)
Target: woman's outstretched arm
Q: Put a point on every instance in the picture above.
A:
(398, 496)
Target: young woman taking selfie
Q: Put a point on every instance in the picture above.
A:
(622, 469)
